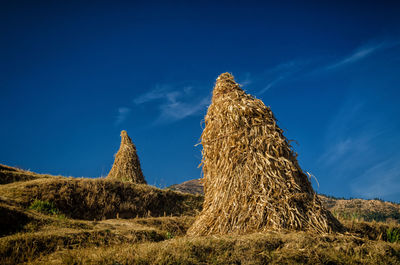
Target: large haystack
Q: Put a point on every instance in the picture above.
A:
(252, 180)
(126, 165)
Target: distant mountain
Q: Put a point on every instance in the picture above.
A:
(193, 186)
(368, 210)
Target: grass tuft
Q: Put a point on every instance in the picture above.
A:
(45, 207)
(393, 235)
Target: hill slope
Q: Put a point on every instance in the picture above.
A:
(368, 210)
(98, 199)
(57, 220)
(12, 174)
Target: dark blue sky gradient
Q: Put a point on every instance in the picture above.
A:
(73, 74)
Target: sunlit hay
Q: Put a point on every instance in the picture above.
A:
(252, 180)
(126, 165)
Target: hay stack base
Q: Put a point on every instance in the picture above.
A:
(126, 165)
(252, 180)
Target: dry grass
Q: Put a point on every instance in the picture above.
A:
(12, 174)
(370, 230)
(28, 246)
(31, 237)
(38, 235)
(31, 245)
(367, 210)
(257, 248)
(12, 220)
(343, 209)
(99, 199)
(161, 241)
(252, 180)
(126, 165)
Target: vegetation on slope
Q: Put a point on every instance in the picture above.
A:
(345, 209)
(258, 248)
(42, 223)
(368, 210)
(12, 174)
(40, 233)
(98, 199)
(193, 186)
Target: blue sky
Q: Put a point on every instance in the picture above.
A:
(74, 74)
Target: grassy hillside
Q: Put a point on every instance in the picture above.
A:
(40, 235)
(12, 174)
(98, 199)
(266, 248)
(368, 210)
(348, 209)
(57, 220)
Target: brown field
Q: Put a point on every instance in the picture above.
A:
(56, 220)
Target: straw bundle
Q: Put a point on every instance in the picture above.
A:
(126, 165)
(252, 180)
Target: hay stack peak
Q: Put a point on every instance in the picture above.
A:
(126, 165)
(252, 180)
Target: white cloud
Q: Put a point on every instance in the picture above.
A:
(174, 111)
(188, 90)
(247, 80)
(158, 93)
(174, 104)
(298, 68)
(337, 151)
(123, 113)
(361, 53)
(282, 72)
(355, 153)
(339, 141)
(378, 181)
(271, 84)
(349, 139)
(288, 66)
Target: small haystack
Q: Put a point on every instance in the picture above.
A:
(252, 180)
(126, 165)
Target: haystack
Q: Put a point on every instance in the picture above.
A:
(126, 165)
(252, 180)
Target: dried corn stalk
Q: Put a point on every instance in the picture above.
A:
(252, 180)
(126, 165)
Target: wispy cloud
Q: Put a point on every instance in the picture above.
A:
(356, 56)
(123, 113)
(355, 152)
(380, 180)
(174, 103)
(178, 110)
(309, 67)
(282, 72)
(271, 84)
(351, 138)
(337, 151)
(348, 153)
(160, 92)
(361, 53)
(340, 142)
(245, 80)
